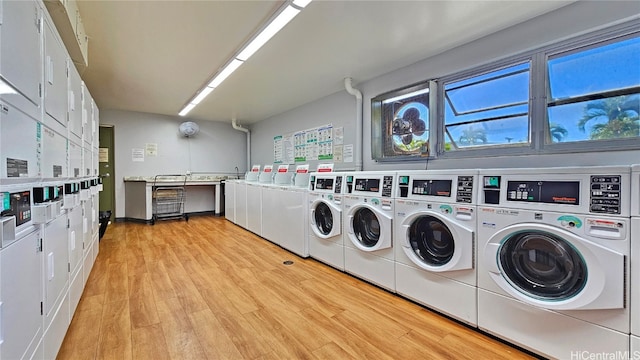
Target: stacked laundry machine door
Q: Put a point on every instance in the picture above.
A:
(434, 234)
(553, 250)
(368, 217)
(326, 242)
(635, 260)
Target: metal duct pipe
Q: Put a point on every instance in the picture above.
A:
(358, 94)
(246, 131)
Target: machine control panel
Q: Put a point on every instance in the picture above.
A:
(465, 189)
(605, 194)
(338, 187)
(21, 206)
(548, 192)
(431, 187)
(387, 186)
(324, 184)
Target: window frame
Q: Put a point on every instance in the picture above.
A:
(538, 92)
(377, 127)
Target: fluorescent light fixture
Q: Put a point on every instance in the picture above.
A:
(203, 94)
(278, 23)
(301, 3)
(281, 19)
(222, 75)
(186, 109)
(404, 96)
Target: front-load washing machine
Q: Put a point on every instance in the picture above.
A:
(553, 259)
(434, 233)
(368, 217)
(635, 261)
(326, 242)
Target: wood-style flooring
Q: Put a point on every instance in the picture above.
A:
(207, 289)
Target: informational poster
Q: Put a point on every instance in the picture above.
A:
(338, 135)
(347, 153)
(306, 145)
(103, 155)
(151, 149)
(300, 146)
(278, 149)
(337, 153)
(137, 155)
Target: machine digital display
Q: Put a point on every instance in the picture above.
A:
(21, 206)
(431, 187)
(492, 181)
(371, 185)
(324, 184)
(548, 192)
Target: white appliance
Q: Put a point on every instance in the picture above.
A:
(284, 215)
(254, 208)
(434, 234)
(553, 251)
(326, 242)
(635, 260)
(230, 200)
(367, 218)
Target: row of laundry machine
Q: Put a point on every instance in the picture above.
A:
(547, 259)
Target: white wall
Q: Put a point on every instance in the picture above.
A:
(338, 109)
(217, 148)
(566, 22)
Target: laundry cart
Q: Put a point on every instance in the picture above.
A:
(168, 197)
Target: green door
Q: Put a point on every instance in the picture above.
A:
(107, 171)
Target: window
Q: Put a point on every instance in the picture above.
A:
(594, 93)
(401, 123)
(491, 109)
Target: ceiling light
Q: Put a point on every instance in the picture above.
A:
(222, 75)
(278, 23)
(301, 3)
(203, 94)
(283, 17)
(186, 109)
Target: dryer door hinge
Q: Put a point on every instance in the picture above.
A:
(68, 223)
(39, 244)
(41, 308)
(40, 90)
(69, 267)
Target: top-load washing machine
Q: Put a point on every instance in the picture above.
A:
(434, 234)
(326, 242)
(553, 259)
(284, 215)
(367, 218)
(635, 260)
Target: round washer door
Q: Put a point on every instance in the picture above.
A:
(369, 228)
(325, 219)
(552, 268)
(437, 244)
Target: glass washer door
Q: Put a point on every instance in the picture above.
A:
(366, 227)
(431, 240)
(542, 265)
(323, 219)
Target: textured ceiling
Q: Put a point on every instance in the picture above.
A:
(153, 56)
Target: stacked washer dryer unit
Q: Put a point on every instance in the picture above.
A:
(326, 242)
(553, 251)
(368, 217)
(434, 234)
(635, 261)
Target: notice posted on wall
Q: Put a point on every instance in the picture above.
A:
(151, 149)
(137, 155)
(347, 153)
(306, 145)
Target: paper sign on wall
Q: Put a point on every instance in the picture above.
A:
(137, 155)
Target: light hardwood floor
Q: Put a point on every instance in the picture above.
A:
(207, 289)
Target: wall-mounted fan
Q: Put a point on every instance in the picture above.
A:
(189, 129)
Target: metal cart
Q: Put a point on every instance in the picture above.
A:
(168, 197)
